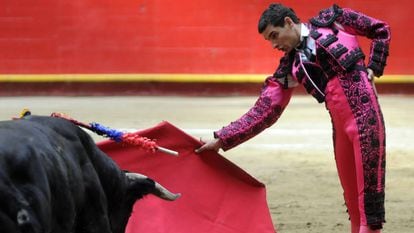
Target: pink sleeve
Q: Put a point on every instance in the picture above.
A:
(376, 30)
(266, 111)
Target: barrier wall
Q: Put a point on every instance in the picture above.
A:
(173, 40)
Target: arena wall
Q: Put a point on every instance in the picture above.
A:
(48, 42)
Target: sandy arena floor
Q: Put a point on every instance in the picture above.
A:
(294, 157)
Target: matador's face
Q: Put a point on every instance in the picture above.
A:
(283, 38)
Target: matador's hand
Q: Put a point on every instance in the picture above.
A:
(371, 75)
(214, 144)
(371, 78)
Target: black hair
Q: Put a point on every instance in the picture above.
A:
(275, 15)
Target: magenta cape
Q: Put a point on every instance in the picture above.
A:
(217, 196)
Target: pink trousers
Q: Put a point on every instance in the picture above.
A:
(359, 146)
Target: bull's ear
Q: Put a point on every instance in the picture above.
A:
(145, 185)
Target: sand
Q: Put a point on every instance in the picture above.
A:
(293, 158)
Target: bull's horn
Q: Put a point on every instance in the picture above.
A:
(135, 176)
(159, 190)
(163, 193)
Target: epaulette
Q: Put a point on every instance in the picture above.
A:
(326, 16)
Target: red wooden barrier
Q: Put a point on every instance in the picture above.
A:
(164, 36)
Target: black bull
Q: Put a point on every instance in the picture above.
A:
(54, 179)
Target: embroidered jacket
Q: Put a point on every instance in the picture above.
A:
(337, 52)
(277, 90)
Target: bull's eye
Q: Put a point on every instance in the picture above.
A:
(23, 217)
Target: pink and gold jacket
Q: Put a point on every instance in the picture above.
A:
(337, 52)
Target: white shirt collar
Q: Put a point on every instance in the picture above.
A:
(304, 31)
(310, 42)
